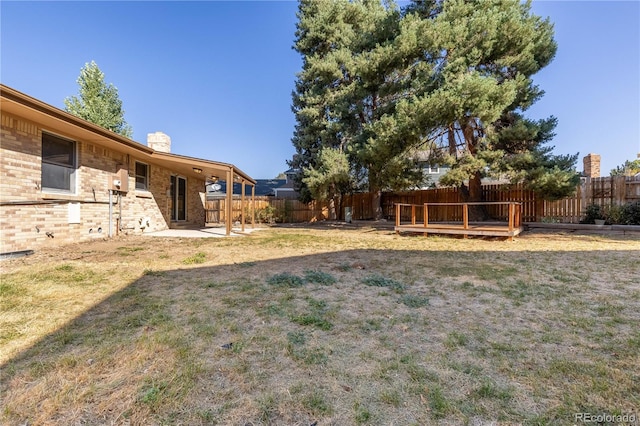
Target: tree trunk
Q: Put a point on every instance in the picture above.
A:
(473, 194)
(332, 203)
(376, 204)
(451, 137)
(332, 209)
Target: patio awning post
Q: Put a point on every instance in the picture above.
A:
(242, 206)
(228, 205)
(253, 206)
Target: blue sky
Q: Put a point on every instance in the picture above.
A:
(217, 76)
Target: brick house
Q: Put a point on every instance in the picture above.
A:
(64, 179)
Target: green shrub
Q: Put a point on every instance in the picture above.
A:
(592, 213)
(614, 214)
(266, 214)
(630, 214)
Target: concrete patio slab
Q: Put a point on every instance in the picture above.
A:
(201, 232)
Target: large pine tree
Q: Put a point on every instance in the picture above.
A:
(98, 102)
(449, 77)
(348, 84)
(485, 54)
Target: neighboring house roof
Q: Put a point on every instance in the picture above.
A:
(55, 119)
(263, 187)
(291, 172)
(287, 186)
(268, 186)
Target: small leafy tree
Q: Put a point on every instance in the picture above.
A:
(98, 102)
(629, 168)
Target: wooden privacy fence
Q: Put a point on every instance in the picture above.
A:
(611, 191)
(294, 211)
(215, 209)
(279, 209)
(604, 191)
(495, 195)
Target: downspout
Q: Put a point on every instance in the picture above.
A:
(119, 213)
(110, 213)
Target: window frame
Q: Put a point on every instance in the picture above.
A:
(433, 170)
(146, 176)
(72, 168)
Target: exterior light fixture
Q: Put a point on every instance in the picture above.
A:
(197, 170)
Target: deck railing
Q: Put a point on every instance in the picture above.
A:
(514, 215)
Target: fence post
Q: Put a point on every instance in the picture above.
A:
(620, 189)
(426, 215)
(585, 196)
(511, 217)
(465, 215)
(539, 210)
(397, 214)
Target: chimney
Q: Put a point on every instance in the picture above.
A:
(591, 165)
(159, 141)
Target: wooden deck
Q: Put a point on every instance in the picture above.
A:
(459, 229)
(509, 229)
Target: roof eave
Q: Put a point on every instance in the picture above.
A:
(202, 163)
(16, 102)
(26, 101)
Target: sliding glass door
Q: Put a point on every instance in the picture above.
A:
(178, 198)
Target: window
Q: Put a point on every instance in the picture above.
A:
(142, 176)
(58, 164)
(433, 170)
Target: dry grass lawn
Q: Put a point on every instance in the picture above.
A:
(322, 325)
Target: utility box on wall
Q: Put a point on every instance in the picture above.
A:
(119, 181)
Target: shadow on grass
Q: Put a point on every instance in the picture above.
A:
(491, 336)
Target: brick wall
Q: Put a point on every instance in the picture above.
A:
(20, 147)
(31, 218)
